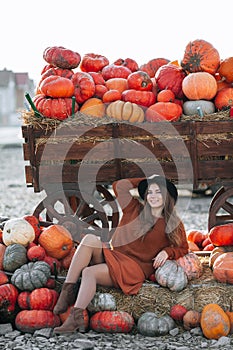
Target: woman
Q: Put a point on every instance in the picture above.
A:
(148, 234)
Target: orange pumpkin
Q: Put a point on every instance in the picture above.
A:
(153, 65)
(200, 56)
(217, 251)
(196, 237)
(55, 86)
(214, 322)
(221, 235)
(119, 84)
(2, 252)
(224, 98)
(230, 316)
(93, 107)
(223, 268)
(166, 95)
(191, 265)
(199, 86)
(56, 240)
(111, 96)
(100, 90)
(226, 69)
(140, 81)
(163, 111)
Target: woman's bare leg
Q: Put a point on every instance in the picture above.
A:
(89, 250)
(91, 276)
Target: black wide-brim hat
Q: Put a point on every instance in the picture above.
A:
(160, 181)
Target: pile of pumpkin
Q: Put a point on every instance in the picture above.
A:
(32, 256)
(161, 89)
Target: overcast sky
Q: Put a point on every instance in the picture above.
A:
(141, 30)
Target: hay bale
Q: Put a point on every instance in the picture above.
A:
(154, 298)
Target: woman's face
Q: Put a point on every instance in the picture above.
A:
(154, 196)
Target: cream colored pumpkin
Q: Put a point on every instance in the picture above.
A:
(125, 111)
(18, 230)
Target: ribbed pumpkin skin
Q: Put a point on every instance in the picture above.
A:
(200, 56)
(172, 276)
(191, 265)
(28, 321)
(214, 322)
(170, 76)
(150, 325)
(23, 300)
(31, 276)
(199, 86)
(112, 322)
(15, 256)
(43, 299)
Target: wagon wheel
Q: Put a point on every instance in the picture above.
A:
(68, 208)
(221, 207)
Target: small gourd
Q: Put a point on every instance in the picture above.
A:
(18, 230)
(150, 325)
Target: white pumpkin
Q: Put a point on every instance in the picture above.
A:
(191, 107)
(18, 230)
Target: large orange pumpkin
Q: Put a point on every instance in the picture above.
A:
(224, 98)
(199, 86)
(56, 240)
(200, 56)
(56, 86)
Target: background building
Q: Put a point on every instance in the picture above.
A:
(13, 87)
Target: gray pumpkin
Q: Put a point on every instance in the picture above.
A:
(172, 276)
(102, 302)
(15, 256)
(150, 325)
(31, 276)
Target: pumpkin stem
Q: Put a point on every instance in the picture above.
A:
(200, 112)
(28, 97)
(55, 270)
(73, 106)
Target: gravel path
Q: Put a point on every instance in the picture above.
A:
(17, 200)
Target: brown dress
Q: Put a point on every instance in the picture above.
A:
(130, 259)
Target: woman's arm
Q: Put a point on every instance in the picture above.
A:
(181, 250)
(122, 189)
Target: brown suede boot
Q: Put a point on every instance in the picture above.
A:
(66, 298)
(74, 322)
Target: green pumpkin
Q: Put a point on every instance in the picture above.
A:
(172, 276)
(31, 276)
(150, 325)
(102, 302)
(15, 255)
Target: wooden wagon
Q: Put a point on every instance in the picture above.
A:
(76, 162)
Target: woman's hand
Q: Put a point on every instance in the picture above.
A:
(160, 259)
